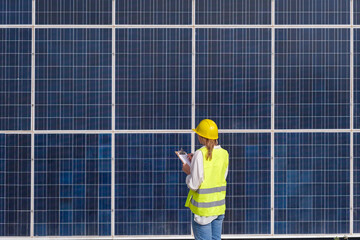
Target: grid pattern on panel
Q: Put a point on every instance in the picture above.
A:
(73, 79)
(312, 12)
(356, 10)
(73, 12)
(312, 78)
(248, 183)
(72, 184)
(356, 78)
(15, 79)
(153, 12)
(150, 189)
(312, 183)
(153, 78)
(233, 12)
(15, 11)
(233, 77)
(15, 158)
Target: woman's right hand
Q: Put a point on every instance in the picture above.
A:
(190, 156)
(186, 169)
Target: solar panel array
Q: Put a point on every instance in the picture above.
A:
(153, 79)
(303, 12)
(72, 184)
(312, 183)
(312, 85)
(233, 77)
(95, 97)
(15, 76)
(73, 79)
(15, 184)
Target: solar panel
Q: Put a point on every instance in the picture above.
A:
(312, 78)
(248, 183)
(72, 184)
(73, 79)
(15, 79)
(15, 11)
(150, 190)
(356, 182)
(356, 12)
(233, 12)
(312, 183)
(153, 12)
(312, 12)
(153, 78)
(356, 78)
(73, 12)
(233, 77)
(15, 157)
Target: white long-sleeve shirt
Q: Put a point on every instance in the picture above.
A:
(195, 178)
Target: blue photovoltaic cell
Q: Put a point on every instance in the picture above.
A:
(72, 184)
(312, 183)
(15, 79)
(15, 11)
(356, 183)
(153, 12)
(73, 79)
(312, 78)
(15, 159)
(312, 12)
(233, 77)
(150, 188)
(153, 78)
(248, 183)
(233, 12)
(357, 12)
(356, 78)
(74, 12)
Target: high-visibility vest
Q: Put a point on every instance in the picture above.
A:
(209, 199)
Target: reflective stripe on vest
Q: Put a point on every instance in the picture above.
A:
(211, 190)
(207, 204)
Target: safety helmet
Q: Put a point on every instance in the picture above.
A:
(207, 128)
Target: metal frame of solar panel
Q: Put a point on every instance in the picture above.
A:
(95, 96)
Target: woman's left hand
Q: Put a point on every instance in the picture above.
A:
(186, 169)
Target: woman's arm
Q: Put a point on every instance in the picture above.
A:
(196, 176)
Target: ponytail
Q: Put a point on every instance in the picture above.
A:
(209, 144)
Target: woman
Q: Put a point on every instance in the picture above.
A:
(207, 183)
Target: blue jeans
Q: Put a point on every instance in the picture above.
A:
(211, 231)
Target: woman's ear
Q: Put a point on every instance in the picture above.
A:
(201, 140)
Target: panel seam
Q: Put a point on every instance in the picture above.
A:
(351, 118)
(272, 147)
(32, 123)
(113, 116)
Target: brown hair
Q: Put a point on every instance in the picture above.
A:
(209, 144)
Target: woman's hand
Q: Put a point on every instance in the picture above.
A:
(190, 156)
(186, 169)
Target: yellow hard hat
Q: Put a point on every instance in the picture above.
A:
(207, 128)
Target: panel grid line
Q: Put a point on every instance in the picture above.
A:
(32, 121)
(176, 131)
(180, 26)
(193, 79)
(272, 140)
(193, 85)
(351, 117)
(113, 117)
